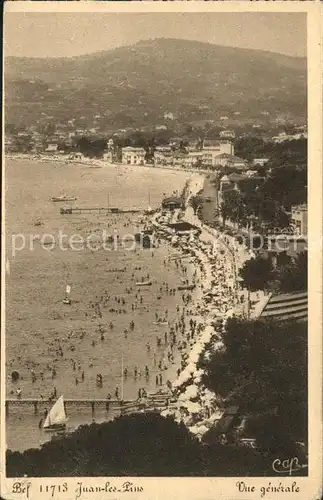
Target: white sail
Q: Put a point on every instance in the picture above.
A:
(68, 289)
(57, 414)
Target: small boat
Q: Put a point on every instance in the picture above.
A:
(63, 198)
(144, 283)
(160, 323)
(56, 418)
(186, 287)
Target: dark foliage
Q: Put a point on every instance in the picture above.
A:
(257, 273)
(263, 369)
(135, 445)
(290, 274)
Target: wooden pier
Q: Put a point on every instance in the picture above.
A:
(153, 402)
(99, 210)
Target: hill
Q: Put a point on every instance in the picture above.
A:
(135, 85)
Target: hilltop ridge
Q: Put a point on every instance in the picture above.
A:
(135, 85)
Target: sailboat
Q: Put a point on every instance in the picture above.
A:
(149, 209)
(67, 299)
(56, 418)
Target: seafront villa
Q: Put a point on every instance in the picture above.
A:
(133, 156)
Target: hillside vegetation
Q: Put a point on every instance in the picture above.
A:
(135, 85)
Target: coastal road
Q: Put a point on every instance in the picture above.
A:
(209, 207)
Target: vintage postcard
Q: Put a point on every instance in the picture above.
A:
(161, 294)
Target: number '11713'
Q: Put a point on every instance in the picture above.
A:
(53, 488)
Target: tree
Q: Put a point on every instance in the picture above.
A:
(293, 275)
(257, 273)
(91, 147)
(196, 202)
(134, 445)
(262, 368)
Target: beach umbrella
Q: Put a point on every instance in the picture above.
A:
(191, 407)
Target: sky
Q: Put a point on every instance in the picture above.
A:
(65, 34)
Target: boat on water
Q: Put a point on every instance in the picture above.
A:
(63, 198)
(56, 418)
(160, 323)
(186, 287)
(144, 283)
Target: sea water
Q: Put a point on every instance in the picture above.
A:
(37, 321)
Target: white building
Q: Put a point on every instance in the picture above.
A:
(133, 156)
(212, 150)
(52, 148)
(227, 134)
(260, 161)
(299, 219)
(227, 160)
(163, 155)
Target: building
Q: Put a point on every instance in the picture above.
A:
(163, 155)
(180, 159)
(108, 156)
(260, 161)
(251, 173)
(168, 116)
(172, 203)
(284, 307)
(231, 182)
(211, 149)
(194, 159)
(283, 137)
(227, 134)
(299, 219)
(228, 160)
(133, 156)
(52, 148)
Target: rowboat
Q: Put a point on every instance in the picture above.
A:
(186, 287)
(144, 283)
(63, 198)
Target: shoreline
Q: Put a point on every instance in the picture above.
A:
(196, 406)
(99, 163)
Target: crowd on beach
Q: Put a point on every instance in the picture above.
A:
(217, 260)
